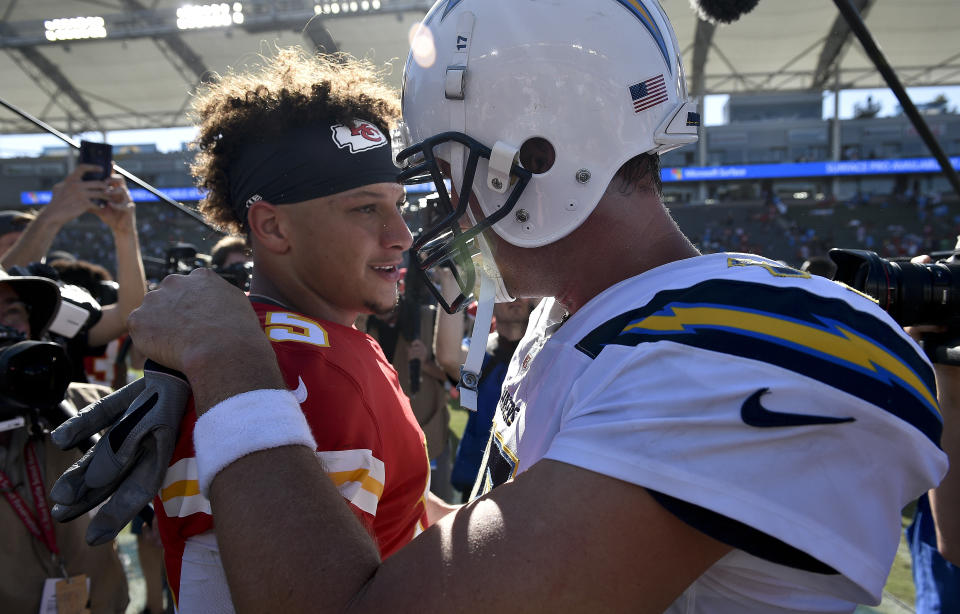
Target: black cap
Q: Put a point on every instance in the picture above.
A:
(42, 296)
(13, 221)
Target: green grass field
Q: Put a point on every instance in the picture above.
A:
(900, 581)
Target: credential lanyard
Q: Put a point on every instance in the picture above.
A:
(41, 524)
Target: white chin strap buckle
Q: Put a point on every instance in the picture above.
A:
(470, 371)
(502, 157)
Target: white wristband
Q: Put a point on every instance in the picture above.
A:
(246, 423)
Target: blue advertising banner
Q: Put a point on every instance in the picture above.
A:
(804, 169)
(191, 194)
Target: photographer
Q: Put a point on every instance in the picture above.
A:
(36, 552)
(406, 337)
(231, 259)
(510, 322)
(229, 251)
(945, 499)
(934, 534)
(922, 296)
(71, 198)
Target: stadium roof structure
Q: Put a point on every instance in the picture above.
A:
(142, 58)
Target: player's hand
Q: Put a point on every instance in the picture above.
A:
(206, 328)
(190, 321)
(129, 462)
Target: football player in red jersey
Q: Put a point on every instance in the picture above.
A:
(296, 156)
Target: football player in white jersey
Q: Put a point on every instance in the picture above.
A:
(677, 432)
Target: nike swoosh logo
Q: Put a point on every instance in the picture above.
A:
(301, 392)
(755, 414)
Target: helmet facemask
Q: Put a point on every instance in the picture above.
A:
(445, 243)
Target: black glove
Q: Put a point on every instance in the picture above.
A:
(129, 462)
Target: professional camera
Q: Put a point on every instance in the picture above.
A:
(78, 311)
(911, 293)
(182, 258)
(34, 374)
(237, 274)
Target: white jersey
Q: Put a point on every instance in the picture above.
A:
(785, 415)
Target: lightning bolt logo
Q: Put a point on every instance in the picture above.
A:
(833, 341)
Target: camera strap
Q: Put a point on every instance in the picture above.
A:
(40, 524)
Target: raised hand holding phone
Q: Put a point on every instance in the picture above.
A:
(98, 154)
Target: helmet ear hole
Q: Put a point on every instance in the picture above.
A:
(537, 155)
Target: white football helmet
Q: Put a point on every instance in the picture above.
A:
(534, 106)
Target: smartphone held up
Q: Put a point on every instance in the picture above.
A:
(99, 154)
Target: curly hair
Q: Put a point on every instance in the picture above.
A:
(289, 90)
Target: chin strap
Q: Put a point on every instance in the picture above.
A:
(488, 268)
(470, 371)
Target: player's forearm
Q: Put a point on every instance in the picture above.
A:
(945, 498)
(274, 564)
(33, 244)
(284, 565)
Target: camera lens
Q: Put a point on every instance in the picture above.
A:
(911, 293)
(924, 291)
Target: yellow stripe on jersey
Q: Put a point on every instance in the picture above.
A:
(180, 491)
(358, 475)
(841, 344)
(183, 488)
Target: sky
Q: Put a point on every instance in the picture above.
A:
(172, 139)
(713, 113)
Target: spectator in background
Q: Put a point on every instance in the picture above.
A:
(12, 224)
(819, 265)
(103, 364)
(945, 499)
(72, 198)
(88, 275)
(228, 251)
(428, 397)
(232, 260)
(27, 559)
(510, 322)
(934, 534)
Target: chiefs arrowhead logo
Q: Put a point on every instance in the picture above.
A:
(359, 137)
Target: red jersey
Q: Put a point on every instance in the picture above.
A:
(366, 434)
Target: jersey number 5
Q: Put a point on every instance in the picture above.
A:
(290, 327)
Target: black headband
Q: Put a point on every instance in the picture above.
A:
(309, 163)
